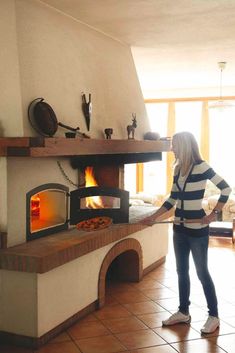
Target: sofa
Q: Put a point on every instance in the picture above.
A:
(210, 200)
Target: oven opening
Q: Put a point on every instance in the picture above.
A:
(47, 210)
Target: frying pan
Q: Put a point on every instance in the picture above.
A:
(43, 118)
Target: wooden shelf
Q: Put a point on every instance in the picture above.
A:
(61, 146)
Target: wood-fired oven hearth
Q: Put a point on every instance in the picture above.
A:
(35, 276)
(51, 207)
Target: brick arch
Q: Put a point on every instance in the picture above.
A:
(132, 250)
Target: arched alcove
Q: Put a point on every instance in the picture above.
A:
(128, 258)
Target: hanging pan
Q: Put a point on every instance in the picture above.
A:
(43, 118)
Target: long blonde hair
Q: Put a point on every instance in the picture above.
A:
(187, 151)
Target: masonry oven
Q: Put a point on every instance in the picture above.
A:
(51, 207)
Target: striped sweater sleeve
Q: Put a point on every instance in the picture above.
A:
(171, 200)
(219, 182)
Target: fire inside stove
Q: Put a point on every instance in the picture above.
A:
(98, 201)
(92, 201)
(35, 206)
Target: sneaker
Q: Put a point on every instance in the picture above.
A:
(177, 318)
(211, 324)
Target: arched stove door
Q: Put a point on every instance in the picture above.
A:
(46, 210)
(98, 201)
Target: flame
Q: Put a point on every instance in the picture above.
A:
(92, 201)
(35, 205)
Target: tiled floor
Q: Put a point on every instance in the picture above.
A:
(131, 319)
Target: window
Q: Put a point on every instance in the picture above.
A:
(130, 178)
(188, 118)
(158, 114)
(155, 172)
(222, 127)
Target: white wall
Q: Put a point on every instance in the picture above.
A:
(11, 123)
(47, 54)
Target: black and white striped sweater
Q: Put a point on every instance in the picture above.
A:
(187, 196)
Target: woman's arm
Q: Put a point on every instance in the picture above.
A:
(165, 207)
(153, 218)
(213, 216)
(225, 191)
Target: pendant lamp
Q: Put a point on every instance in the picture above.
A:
(221, 104)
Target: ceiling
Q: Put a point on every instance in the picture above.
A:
(176, 45)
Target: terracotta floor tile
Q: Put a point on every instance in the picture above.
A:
(104, 344)
(124, 325)
(226, 342)
(154, 320)
(147, 307)
(110, 300)
(112, 312)
(149, 283)
(12, 349)
(169, 282)
(198, 314)
(159, 293)
(176, 333)
(198, 299)
(88, 329)
(113, 287)
(140, 339)
(63, 337)
(198, 346)
(228, 294)
(129, 297)
(62, 347)
(88, 318)
(229, 320)
(170, 304)
(160, 272)
(158, 349)
(227, 309)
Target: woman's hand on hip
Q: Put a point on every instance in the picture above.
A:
(212, 217)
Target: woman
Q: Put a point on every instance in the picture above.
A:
(191, 225)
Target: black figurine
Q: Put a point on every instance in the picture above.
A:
(108, 132)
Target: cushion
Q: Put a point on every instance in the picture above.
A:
(232, 208)
(212, 201)
(205, 205)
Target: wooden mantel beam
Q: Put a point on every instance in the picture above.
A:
(61, 146)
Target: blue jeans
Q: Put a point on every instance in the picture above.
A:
(198, 246)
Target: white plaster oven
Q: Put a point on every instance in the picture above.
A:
(48, 283)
